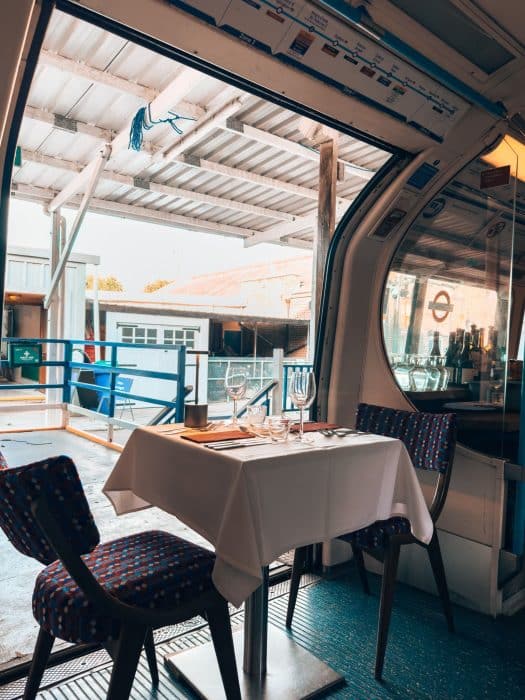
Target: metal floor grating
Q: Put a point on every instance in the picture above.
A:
(88, 676)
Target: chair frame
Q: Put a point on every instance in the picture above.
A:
(390, 558)
(136, 623)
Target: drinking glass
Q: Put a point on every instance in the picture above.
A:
(255, 417)
(433, 373)
(418, 375)
(279, 428)
(401, 369)
(235, 383)
(302, 394)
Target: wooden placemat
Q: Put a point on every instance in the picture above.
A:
(217, 436)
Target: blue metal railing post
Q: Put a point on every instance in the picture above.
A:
(285, 387)
(66, 387)
(181, 373)
(112, 382)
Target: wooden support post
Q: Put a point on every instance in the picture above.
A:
(55, 321)
(326, 211)
(416, 316)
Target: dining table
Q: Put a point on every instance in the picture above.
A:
(253, 502)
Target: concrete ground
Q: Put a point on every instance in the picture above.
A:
(18, 629)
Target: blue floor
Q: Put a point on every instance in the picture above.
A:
(485, 658)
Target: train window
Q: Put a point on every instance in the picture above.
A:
(450, 330)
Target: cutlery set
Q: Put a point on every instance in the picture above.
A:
(232, 444)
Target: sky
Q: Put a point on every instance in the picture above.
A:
(138, 253)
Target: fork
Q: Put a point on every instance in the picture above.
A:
(340, 432)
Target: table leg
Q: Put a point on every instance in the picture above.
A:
(293, 672)
(256, 630)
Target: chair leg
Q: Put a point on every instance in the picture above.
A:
(127, 654)
(385, 606)
(149, 647)
(221, 634)
(436, 561)
(44, 644)
(299, 559)
(360, 563)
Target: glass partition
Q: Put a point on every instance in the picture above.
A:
(453, 303)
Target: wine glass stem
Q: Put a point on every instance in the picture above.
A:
(234, 417)
(301, 422)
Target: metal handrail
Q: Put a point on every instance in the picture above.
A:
(112, 368)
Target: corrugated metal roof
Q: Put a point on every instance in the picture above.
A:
(224, 176)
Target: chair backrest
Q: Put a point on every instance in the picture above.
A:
(57, 478)
(430, 439)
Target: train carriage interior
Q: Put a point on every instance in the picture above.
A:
(418, 305)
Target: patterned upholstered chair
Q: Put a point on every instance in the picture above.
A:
(114, 593)
(430, 440)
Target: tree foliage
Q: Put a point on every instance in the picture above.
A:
(157, 284)
(106, 284)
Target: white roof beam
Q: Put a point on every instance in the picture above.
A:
(75, 228)
(104, 206)
(73, 126)
(95, 75)
(293, 147)
(280, 231)
(249, 176)
(214, 117)
(168, 99)
(150, 186)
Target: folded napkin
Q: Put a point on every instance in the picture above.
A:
(312, 427)
(217, 435)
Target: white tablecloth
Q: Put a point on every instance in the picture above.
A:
(254, 503)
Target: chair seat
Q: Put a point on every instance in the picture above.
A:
(375, 536)
(149, 569)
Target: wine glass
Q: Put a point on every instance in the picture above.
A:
(302, 393)
(235, 383)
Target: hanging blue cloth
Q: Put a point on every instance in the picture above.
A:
(143, 121)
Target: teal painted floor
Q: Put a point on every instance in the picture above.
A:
(337, 622)
(485, 658)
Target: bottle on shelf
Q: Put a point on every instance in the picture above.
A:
(435, 352)
(475, 352)
(450, 357)
(465, 365)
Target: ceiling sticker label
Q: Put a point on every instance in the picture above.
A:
(210, 10)
(316, 42)
(494, 177)
(262, 24)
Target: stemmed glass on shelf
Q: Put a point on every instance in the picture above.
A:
(302, 394)
(235, 383)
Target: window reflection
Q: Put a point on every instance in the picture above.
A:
(446, 324)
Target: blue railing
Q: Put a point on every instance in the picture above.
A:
(109, 393)
(288, 369)
(109, 377)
